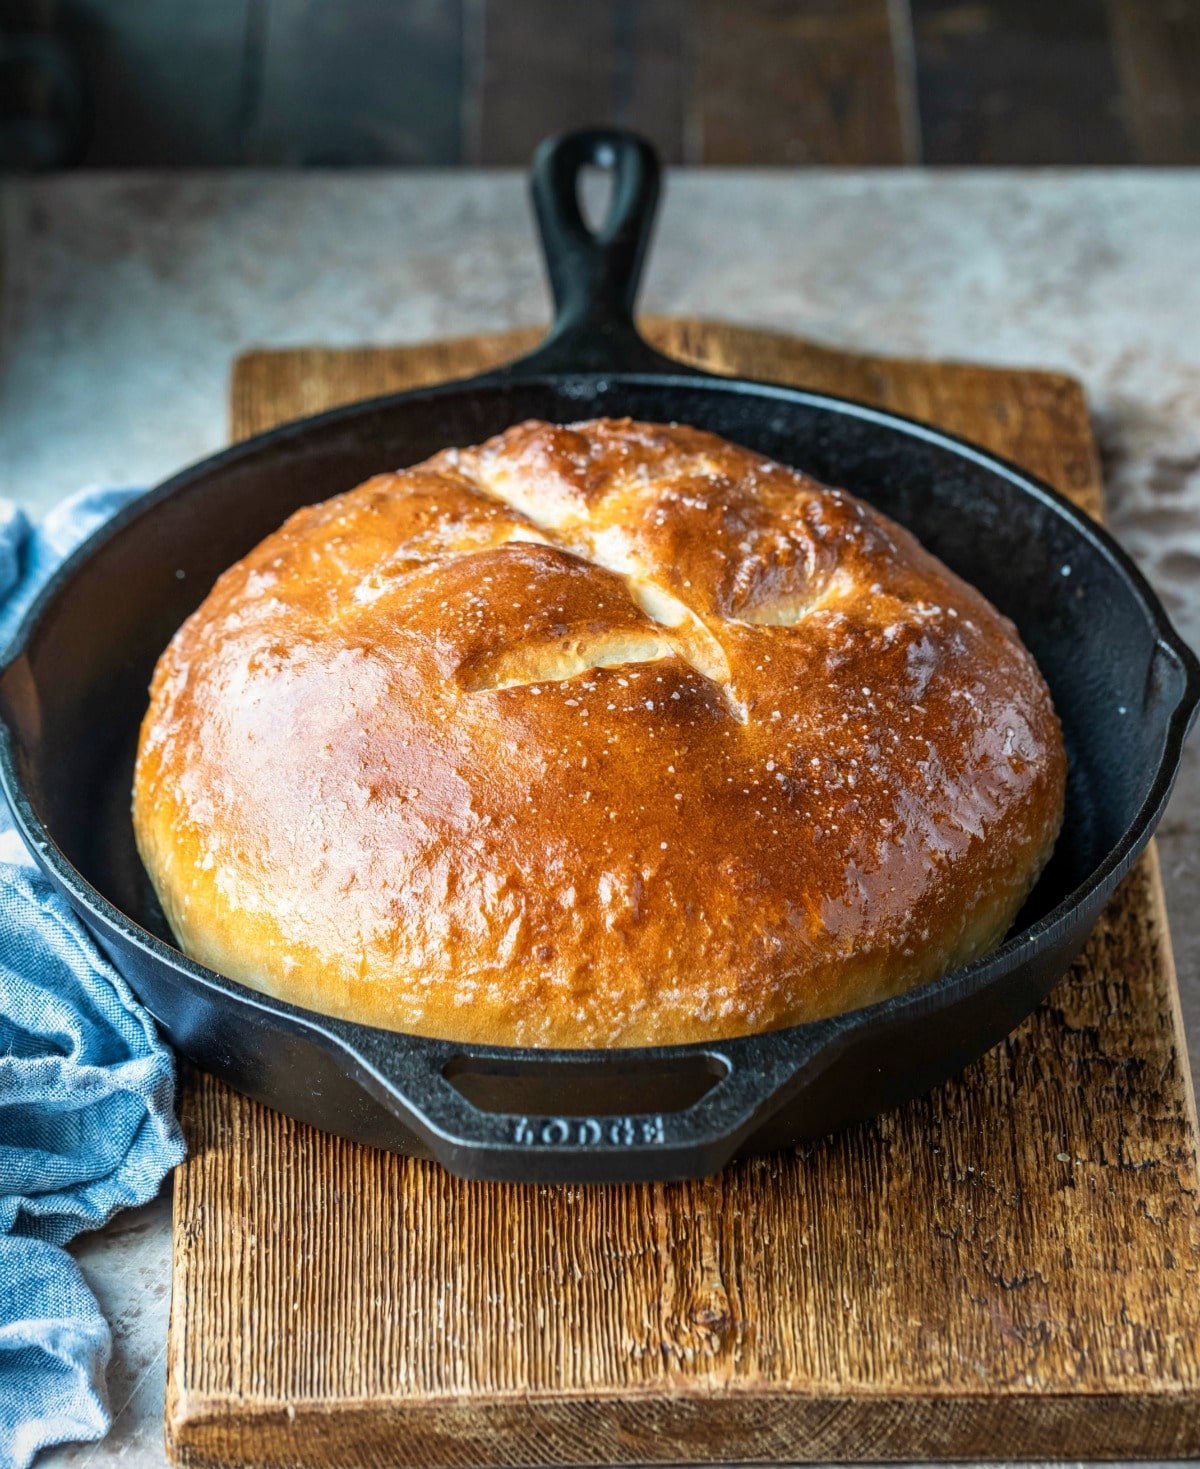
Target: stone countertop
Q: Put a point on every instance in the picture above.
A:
(126, 298)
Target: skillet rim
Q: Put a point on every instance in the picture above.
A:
(1025, 944)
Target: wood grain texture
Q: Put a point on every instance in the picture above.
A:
(780, 83)
(356, 83)
(545, 67)
(1156, 48)
(1008, 1265)
(164, 82)
(1017, 82)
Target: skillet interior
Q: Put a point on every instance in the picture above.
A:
(1074, 607)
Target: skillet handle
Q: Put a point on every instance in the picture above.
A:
(740, 1082)
(594, 275)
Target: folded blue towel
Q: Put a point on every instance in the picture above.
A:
(87, 1091)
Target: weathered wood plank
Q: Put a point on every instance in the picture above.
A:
(358, 83)
(1017, 82)
(166, 82)
(652, 71)
(779, 83)
(1157, 48)
(545, 67)
(1013, 1260)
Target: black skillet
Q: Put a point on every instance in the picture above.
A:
(71, 698)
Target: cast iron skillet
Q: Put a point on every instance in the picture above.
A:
(72, 696)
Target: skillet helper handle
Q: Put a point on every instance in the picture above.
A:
(594, 274)
(415, 1080)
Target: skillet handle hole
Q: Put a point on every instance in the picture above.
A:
(604, 1088)
(595, 193)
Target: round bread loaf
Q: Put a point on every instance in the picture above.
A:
(602, 735)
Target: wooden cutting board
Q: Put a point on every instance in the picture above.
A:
(1007, 1268)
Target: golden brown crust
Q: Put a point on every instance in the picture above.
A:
(604, 735)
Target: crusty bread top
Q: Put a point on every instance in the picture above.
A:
(596, 735)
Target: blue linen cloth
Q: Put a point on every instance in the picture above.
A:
(87, 1090)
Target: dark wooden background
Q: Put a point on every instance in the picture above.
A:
(440, 82)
